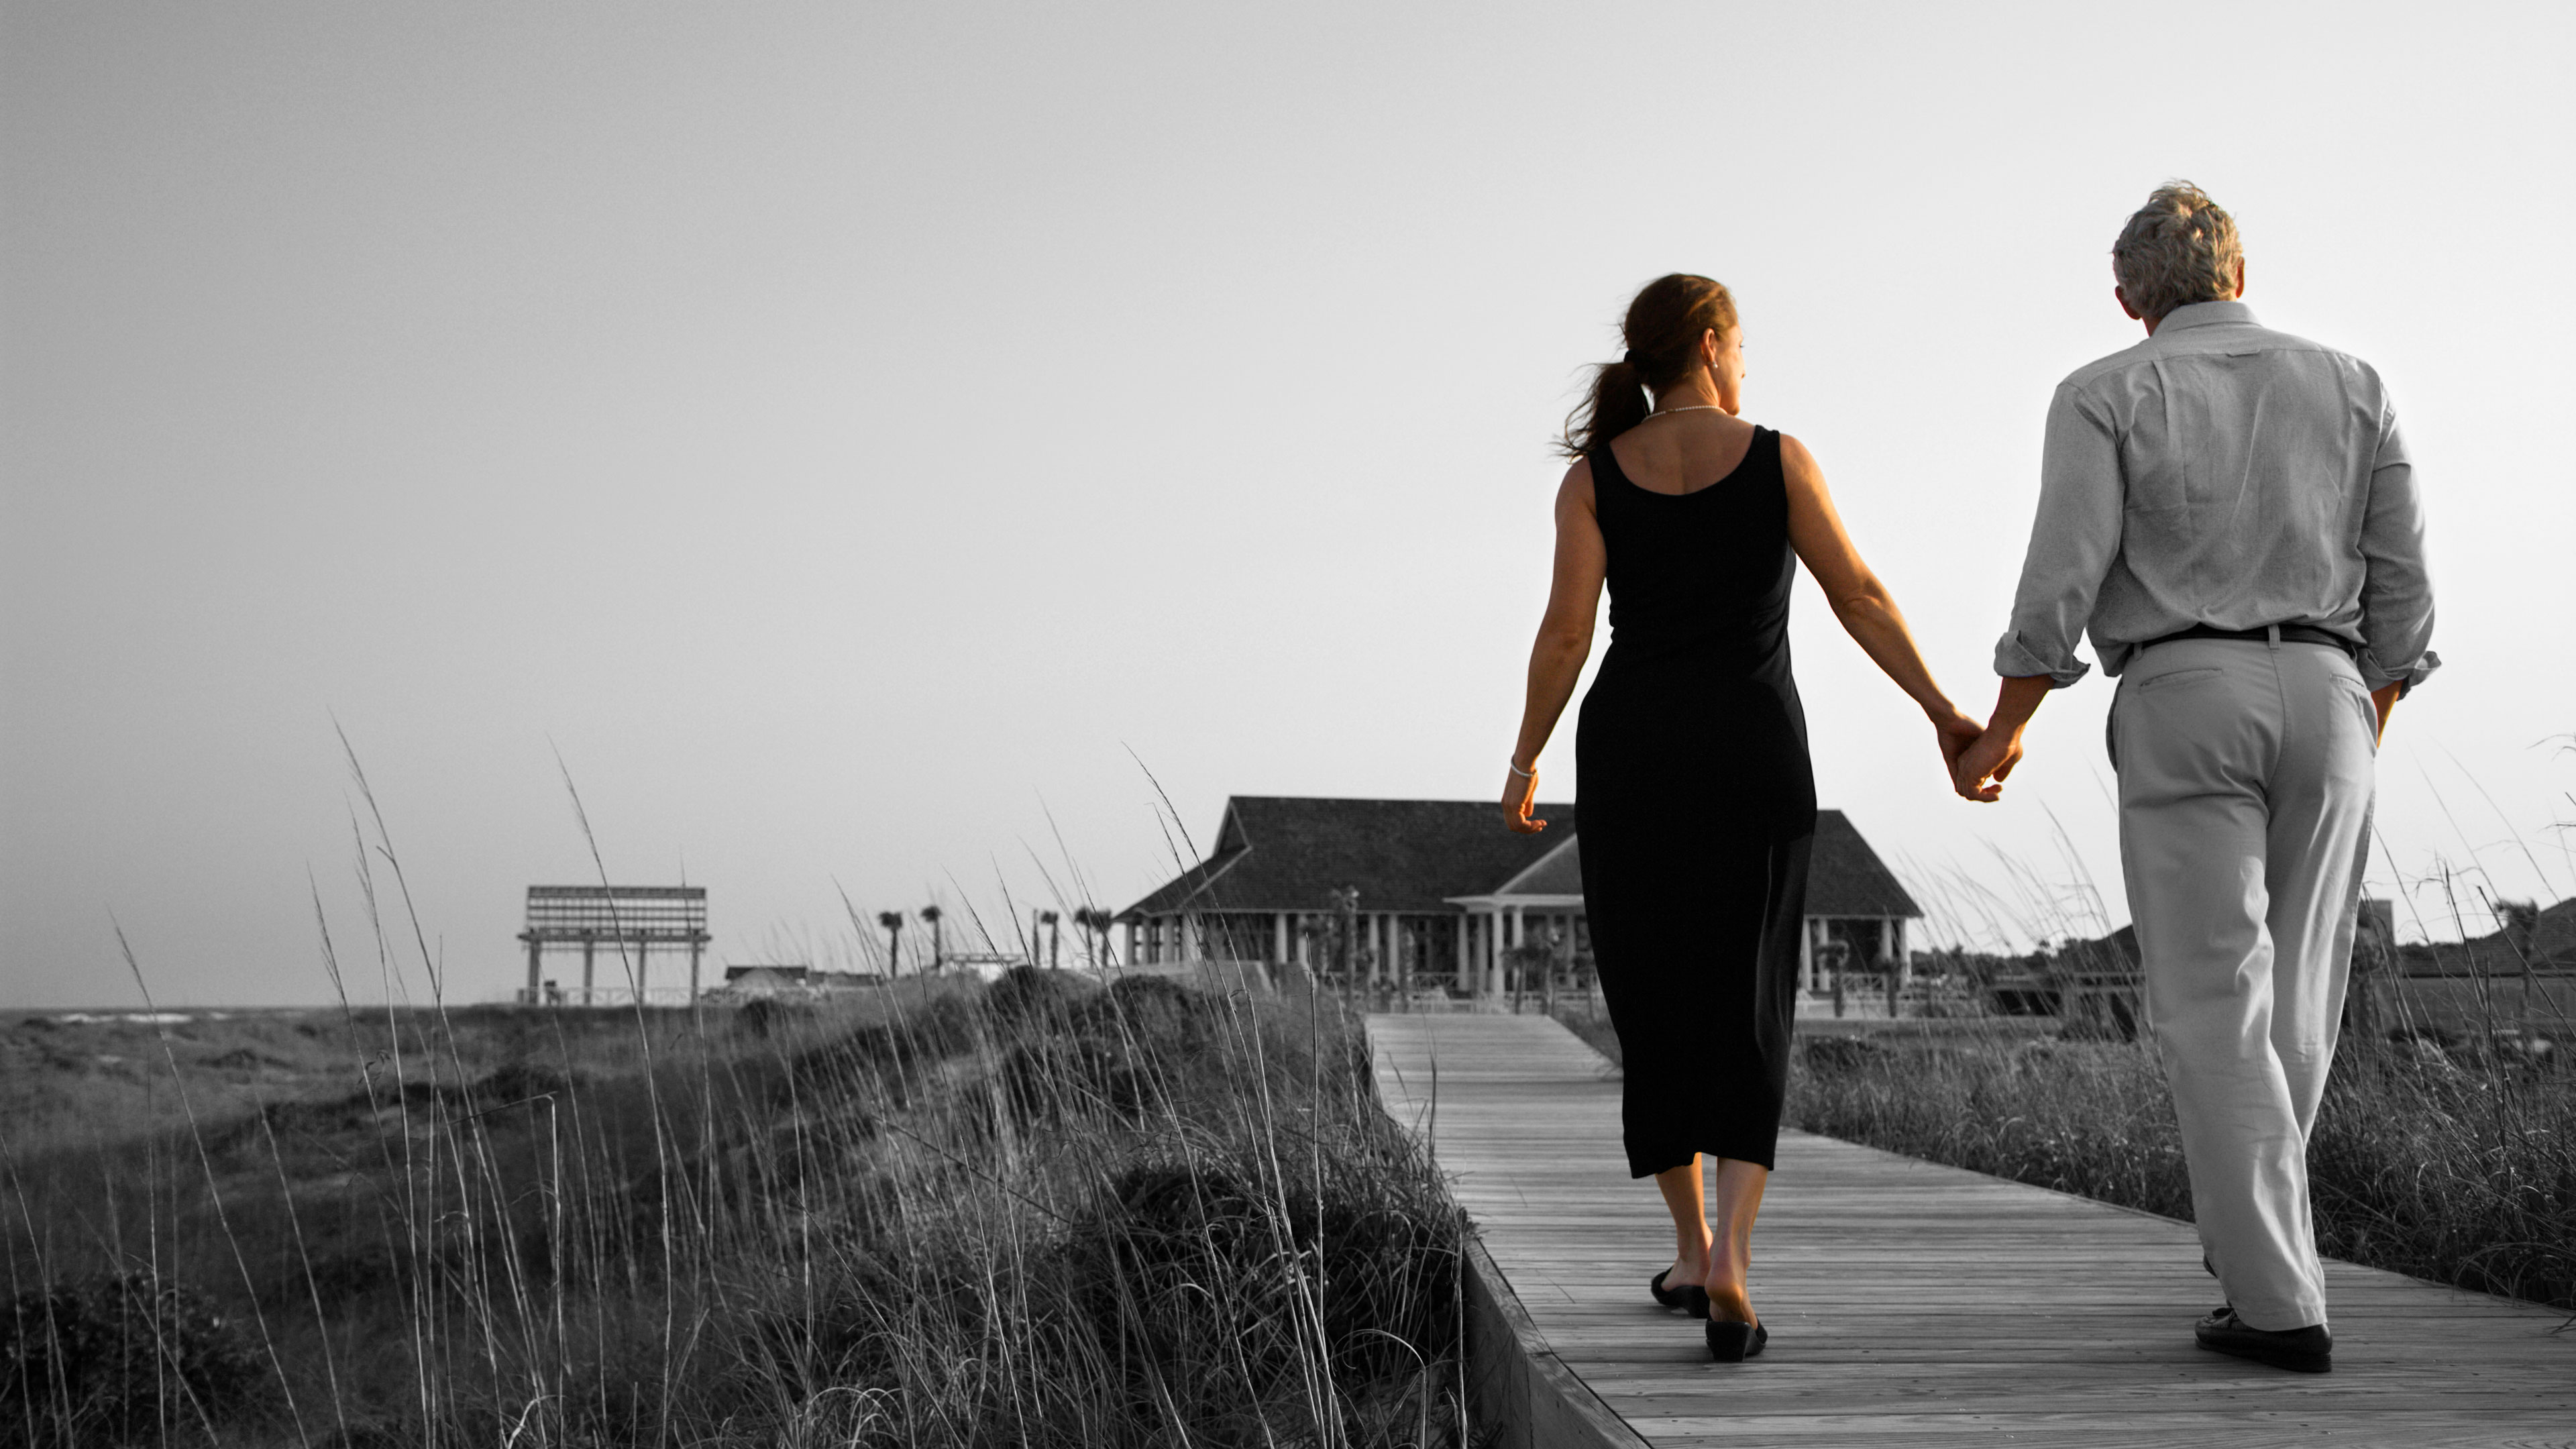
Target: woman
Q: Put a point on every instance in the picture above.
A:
(1697, 805)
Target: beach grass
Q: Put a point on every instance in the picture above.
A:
(1048, 1211)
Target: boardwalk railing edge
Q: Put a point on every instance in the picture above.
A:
(1517, 1387)
(1515, 1383)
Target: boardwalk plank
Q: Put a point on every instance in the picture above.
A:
(1912, 1303)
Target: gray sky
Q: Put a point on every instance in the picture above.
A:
(845, 433)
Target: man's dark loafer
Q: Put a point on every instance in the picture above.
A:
(2308, 1350)
(1691, 1299)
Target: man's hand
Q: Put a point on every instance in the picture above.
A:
(1518, 791)
(1980, 770)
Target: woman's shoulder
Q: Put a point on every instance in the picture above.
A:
(1793, 454)
(1577, 485)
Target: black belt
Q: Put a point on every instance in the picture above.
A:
(2290, 634)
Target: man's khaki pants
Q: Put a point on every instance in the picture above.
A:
(2245, 793)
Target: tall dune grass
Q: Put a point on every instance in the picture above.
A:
(2458, 1166)
(1044, 1213)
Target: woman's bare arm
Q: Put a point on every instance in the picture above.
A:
(1564, 638)
(1867, 611)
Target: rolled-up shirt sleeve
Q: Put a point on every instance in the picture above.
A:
(2073, 540)
(2396, 589)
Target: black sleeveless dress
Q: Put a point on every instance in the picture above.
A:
(1696, 807)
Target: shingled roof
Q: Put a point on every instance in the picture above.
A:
(1284, 853)
(1281, 853)
(1557, 873)
(1846, 878)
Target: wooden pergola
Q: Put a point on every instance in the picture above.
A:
(624, 918)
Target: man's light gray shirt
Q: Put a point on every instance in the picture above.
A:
(2225, 474)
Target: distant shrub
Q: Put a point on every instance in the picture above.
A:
(764, 1016)
(1032, 995)
(119, 1359)
(524, 1080)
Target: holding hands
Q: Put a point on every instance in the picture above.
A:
(1977, 770)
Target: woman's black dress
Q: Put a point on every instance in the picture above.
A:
(1696, 808)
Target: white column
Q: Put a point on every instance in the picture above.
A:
(1462, 919)
(1904, 957)
(1806, 956)
(1279, 935)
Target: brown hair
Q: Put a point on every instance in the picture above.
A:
(1662, 330)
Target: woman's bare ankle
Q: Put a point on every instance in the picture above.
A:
(1731, 1304)
(1725, 1283)
(1688, 1266)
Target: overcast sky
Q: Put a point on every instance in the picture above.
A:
(857, 442)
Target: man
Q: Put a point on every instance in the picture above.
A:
(2229, 512)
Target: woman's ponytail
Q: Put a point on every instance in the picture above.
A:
(1663, 330)
(1618, 403)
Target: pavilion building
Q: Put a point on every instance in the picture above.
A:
(1443, 891)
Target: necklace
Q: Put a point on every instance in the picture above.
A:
(1693, 408)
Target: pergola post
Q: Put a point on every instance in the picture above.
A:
(697, 951)
(536, 957)
(589, 957)
(1887, 959)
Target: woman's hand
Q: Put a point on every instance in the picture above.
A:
(1518, 791)
(1564, 639)
(1955, 731)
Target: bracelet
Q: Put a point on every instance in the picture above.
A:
(1517, 770)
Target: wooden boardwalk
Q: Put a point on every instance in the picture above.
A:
(1915, 1304)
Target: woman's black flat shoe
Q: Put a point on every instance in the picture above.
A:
(1693, 1300)
(1732, 1342)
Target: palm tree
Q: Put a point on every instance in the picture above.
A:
(893, 923)
(938, 944)
(1055, 942)
(1090, 919)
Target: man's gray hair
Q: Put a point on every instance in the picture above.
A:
(2178, 249)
